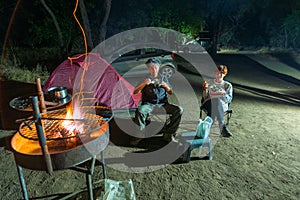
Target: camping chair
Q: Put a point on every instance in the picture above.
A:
(197, 139)
(227, 114)
(158, 116)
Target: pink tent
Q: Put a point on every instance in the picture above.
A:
(108, 87)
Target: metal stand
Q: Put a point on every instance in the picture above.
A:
(103, 165)
(22, 182)
(88, 170)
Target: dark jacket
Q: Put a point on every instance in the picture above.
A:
(154, 95)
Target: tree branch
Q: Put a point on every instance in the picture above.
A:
(103, 28)
(86, 24)
(59, 33)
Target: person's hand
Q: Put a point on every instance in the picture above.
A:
(220, 92)
(142, 85)
(166, 86)
(204, 85)
(147, 81)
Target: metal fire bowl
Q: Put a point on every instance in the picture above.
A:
(64, 153)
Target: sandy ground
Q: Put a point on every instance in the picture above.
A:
(261, 161)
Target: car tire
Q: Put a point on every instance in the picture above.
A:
(167, 71)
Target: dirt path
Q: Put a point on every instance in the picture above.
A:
(261, 161)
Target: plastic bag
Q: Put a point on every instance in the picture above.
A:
(118, 190)
(203, 127)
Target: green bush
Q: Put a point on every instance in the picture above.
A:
(9, 71)
(31, 57)
(273, 50)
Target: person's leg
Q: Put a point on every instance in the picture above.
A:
(175, 117)
(141, 120)
(207, 107)
(219, 112)
(141, 115)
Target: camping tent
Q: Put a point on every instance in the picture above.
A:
(89, 73)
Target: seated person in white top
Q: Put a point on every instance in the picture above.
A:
(216, 96)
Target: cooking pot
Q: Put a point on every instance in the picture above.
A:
(57, 93)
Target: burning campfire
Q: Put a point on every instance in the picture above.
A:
(69, 127)
(66, 123)
(63, 129)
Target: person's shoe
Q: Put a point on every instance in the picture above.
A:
(135, 141)
(169, 138)
(226, 132)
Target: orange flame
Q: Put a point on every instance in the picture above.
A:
(69, 109)
(72, 126)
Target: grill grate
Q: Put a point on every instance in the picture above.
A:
(54, 130)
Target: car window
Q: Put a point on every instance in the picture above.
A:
(132, 53)
(150, 50)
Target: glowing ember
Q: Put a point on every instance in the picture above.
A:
(72, 127)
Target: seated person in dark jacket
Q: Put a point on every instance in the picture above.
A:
(155, 90)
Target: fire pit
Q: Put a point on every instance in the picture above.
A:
(66, 147)
(54, 141)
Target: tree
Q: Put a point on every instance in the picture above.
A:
(223, 17)
(6, 10)
(51, 24)
(284, 27)
(86, 25)
(122, 17)
(93, 12)
(291, 30)
(59, 33)
(103, 26)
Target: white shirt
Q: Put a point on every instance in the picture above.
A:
(215, 87)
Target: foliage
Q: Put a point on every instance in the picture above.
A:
(6, 10)
(175, 15)
(12, 70)
(37, 29)
(234, 23)
(94, 11)
(30, 57)
(292, 25)
(128, 14)
(287, 35)
(273, 50)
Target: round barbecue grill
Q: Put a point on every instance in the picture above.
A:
(55, 140)
(66, 148)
